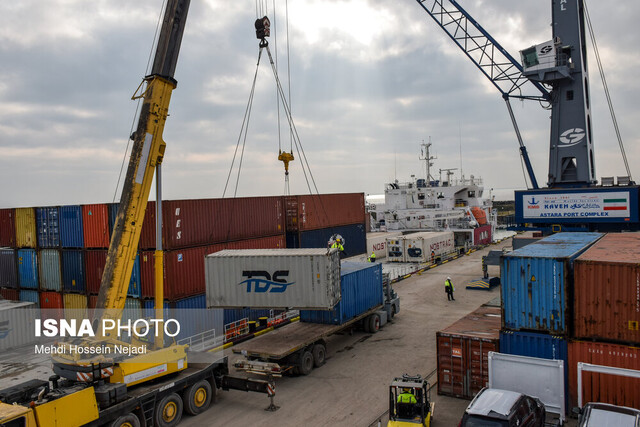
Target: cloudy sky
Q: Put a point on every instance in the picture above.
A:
(370, 80)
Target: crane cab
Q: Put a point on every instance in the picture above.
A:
(407, 411)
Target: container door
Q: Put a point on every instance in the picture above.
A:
(479, 364)
(451, 366)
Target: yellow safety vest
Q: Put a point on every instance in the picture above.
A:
(406, 398)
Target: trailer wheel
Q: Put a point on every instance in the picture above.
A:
(365, 324)
(305, 365)
(393, 311)
(129, 420)
(169, 411)
(374, 323)
(197, 397)
(319, 355)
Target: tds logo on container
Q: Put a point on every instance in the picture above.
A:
(261, 281)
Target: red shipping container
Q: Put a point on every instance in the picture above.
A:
(613, 389)
(7, 228)
(92, 301)
(10, 294)
(607, 290)
(482, 235)
(311, 212)
(95, 223)
(463, 352)
(94, 262)
(51, 305)
(190, 223)
(184, 268)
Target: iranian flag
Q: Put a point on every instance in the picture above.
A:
(615, 204)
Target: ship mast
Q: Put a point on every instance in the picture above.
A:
(427, 157)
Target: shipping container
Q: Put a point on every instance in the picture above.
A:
(360, 291)
(8, 268)
(95, 225)
(17, 320)
(71, 233)
(463, 352)
(377, 243)
(195, 319)
(9, 294)
(113, 213)
(73, 273)
(312, 212)
(94, 262)
(75, 307)
(30, 295)
(354, 236)
(25, 221)
(184, 273)
(7, 228)
(613, 389)
(537, 283)
(48, 227)
(148, 309)
(273, 278)
(189, 223)
(27, 268)
(51, 305)
(607, 290)
(428, 246)
(482, 235)
(132, 311)
(49, 270)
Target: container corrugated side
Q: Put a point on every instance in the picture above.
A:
(113, 213)
(273, 278)
(49, 269)
(132, 310)
(613, 389)
(73, 273)
(17, 319)
(7, 228)
(71, 233)
(27, 268)
(25, 228)
(195, 319)
(48, 227)
(607, 290)
(30, 295)
(94, 262)
(354, 235)
(188, 223)
(360, 291)
(536, 283)
(324, 211)
(135, 283)
(8, 268)
(462, 351)
(184, 273)
(10, 294)
(75, 307)
(95, 225)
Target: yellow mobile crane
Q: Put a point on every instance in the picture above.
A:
(146, 389)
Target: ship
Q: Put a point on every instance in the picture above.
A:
(448, 203)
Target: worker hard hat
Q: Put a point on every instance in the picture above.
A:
(448, 278)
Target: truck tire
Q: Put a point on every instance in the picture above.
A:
(305, 364)
(169, 411)
(319, 355)
(197, 397)
(365, 324)
(393, 311)
(129, 420)
(374, 323)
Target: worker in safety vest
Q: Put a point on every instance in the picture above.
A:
(338, 245)
(406, 396)
(372, 257)
(448, 288)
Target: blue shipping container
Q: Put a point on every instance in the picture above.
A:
(48, 227)
(8, 269)
(135, 288)
(536, 282)
(31, 296)
(113, 212)
(194, 318)
(28, 268)
(49, 269)
(360, 290)
(71, 232)
(543, 346)
(73, 274)
(355, 237)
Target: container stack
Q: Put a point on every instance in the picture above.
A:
(573, 297)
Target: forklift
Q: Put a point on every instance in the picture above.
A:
(403, 413)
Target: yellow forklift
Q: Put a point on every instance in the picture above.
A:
(409, 402)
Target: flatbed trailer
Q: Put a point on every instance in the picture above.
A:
(300, 346)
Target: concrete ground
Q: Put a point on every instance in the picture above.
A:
(351, 389)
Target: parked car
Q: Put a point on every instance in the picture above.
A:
(503, 408)
(603, 414)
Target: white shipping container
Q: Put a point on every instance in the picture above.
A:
(395, 249)
(377, 243)
(17, 320)
(428, 246)
(273, 278)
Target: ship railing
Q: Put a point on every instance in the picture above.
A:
(236, 329)
(202, 341)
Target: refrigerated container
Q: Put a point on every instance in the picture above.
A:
(428, 246)
(377, 243)
(17, 320)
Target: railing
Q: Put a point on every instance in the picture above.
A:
(202, 341)
(236, 329)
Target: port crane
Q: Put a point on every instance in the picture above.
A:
(554, 73)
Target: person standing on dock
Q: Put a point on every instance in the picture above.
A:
(372, 257)
(448, 288)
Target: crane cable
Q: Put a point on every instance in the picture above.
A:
(606, 90)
